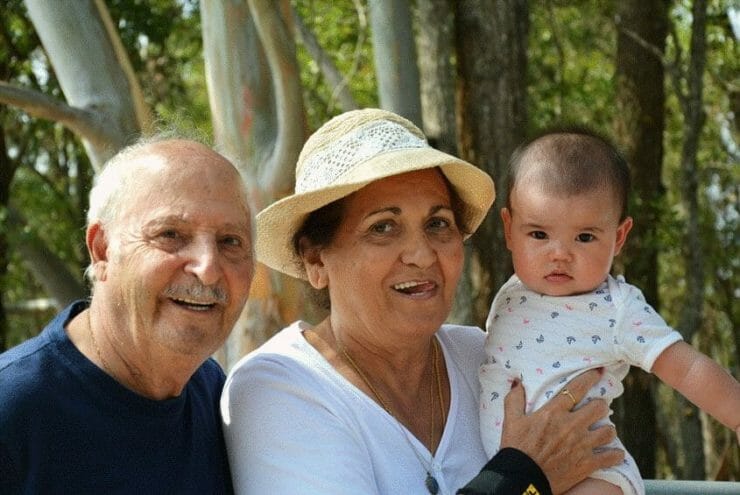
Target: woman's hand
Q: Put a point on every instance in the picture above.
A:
(559, 439)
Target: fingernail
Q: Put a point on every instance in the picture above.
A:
(514, 384)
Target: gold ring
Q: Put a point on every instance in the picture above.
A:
(565, 391)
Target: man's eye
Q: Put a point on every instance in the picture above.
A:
(232, 241)
(585, 237)
(169, 234)
(538, 234)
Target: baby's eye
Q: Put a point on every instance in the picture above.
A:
(585, 237)
(538, 234)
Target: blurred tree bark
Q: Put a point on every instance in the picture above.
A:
(435, 41)
(394, 53)
(493, 117)
(7, 170)
(642, 27)
(690, 92)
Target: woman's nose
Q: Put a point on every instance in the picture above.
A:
(418, 251)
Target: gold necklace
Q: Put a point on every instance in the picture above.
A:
(95, 346)
(430, 482)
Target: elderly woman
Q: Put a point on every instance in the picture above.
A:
(381, 396)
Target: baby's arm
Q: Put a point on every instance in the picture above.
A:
(702, 381)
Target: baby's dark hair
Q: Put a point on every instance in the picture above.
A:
(571, 160)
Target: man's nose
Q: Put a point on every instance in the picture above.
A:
(203, 261)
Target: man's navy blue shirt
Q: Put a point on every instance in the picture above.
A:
(68, 427)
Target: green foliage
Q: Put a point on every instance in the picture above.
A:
(343, 33)
(571, 64)
(164, 43)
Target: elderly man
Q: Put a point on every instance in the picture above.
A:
(118, 394)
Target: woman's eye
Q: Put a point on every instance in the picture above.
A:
(585, 237)
(538, 234)
(439, 223)
(381, 227)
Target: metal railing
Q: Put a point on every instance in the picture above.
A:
(671, 487)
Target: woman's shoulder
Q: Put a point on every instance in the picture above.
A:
(463, 341)
(461, 333)
(284, 348)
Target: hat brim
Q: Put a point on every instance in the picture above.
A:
(277, 224)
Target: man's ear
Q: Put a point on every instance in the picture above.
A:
(313, 264)
(506, 219)
(97, 247)
(622, 231)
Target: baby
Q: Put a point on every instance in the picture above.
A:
(562, 313)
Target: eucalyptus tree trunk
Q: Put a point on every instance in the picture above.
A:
(492, 66)
(642, 28)
(93, 71)
(104, 107)
(435, 41)
(258, 120)
(395, 58)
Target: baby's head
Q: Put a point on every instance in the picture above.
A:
(566, 214)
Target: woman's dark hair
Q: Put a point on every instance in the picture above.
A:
(319, 230)
(321, 226)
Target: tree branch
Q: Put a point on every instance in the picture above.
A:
(83, 123)
(337, 82)
(277, 42)
(47, 268)
(673, 68)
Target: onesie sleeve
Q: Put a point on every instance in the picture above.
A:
(510, 471)
(281, 434)
(642, 334)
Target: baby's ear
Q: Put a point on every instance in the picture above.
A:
(506, 219)
(622, 231)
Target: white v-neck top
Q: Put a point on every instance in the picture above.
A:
(295, 425)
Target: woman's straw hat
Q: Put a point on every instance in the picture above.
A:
(347, 153)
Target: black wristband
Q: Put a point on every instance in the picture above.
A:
(510, 472)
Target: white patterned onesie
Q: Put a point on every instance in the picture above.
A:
(545, 341)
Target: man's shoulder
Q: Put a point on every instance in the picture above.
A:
(209, 377)
(24, 367)
(211, 370)
(23, 378)
(25, 356)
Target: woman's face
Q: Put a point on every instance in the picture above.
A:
(396, 258)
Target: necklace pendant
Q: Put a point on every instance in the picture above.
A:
(431, 484)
